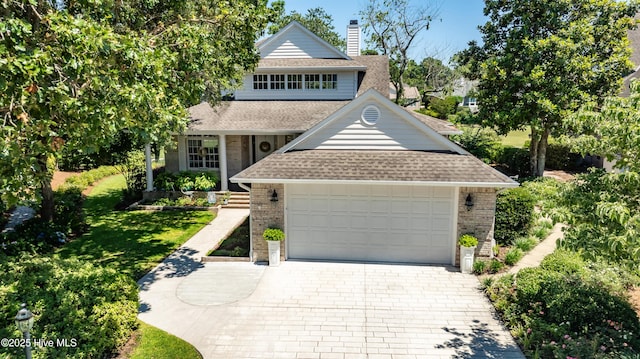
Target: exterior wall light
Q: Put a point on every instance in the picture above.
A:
(468, 202)
(274, 196)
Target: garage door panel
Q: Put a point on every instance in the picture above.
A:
(370, 223)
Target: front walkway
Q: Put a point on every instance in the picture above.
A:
(543, 249)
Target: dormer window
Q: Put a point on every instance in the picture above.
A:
(294, 82)
(329, 81)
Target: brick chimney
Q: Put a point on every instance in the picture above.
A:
(353, 38)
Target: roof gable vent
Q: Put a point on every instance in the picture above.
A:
(370, 115)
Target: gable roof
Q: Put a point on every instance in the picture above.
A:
(397, 129)
(282, 36)
(377, 73)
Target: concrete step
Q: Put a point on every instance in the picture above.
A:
(238, 200)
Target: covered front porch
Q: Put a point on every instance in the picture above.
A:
(225, 154)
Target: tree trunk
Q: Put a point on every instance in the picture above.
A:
(533, 151)
(542, 153)
(538, 151)
(46, 207)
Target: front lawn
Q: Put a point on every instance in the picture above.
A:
(132, 242)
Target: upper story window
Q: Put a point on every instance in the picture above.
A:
(277, 82)
(330, 81)
(312, 81)
(260, 82)
(295, 82)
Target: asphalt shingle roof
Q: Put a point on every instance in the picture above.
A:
(261, 116)
(374, 165)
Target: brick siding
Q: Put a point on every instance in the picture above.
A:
(479, 221)
(264, 214)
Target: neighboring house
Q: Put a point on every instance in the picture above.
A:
(465, 88)
(327, 157)
(371, 182)
(412, 98)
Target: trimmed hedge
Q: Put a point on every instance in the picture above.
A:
(70, 299)
(514, 215)
(516, 160)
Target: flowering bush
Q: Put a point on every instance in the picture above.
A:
(576, 312)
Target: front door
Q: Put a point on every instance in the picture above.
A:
(263, 146)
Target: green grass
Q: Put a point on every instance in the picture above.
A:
(133, 242)
(154, 343)
(516, 138)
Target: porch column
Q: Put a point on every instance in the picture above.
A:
(147, 161)
(222, 151)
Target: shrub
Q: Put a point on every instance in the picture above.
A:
(273, 234)
(134, 171)
(516, 160)
(186, 181)
(481, 142)
(560, 157)
(555, 312)
(564, 261)
(85, 179)
(69, 299)
(479, 266)
(495, 266)
(513, 256)
(68, 211)
(525, 244)
(34, 236)
(514, 215)
(467, 240)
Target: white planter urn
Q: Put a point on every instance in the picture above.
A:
(274, 253)
(466, 259)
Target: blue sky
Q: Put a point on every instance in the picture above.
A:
(456, 26)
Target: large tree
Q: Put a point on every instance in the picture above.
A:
(392, 26)
(75, 73)
(430, 76)
(541, 59)
(317, 20)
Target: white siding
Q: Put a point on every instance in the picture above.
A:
(353, 40)
(297, 45)
(345, 90)
(389, 133)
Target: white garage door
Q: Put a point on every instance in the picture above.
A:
(370, 223)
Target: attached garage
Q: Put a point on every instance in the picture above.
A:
(414, 224)
(372, 182)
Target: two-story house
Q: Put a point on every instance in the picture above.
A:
(327, 157)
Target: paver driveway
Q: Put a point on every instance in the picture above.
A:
(331, 310)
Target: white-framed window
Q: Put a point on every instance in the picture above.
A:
(202, 152)
(330, 81)
(294, 82)
(277, 82)
(260, 82)
(473, 101)
(312, 82)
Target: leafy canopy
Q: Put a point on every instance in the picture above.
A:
(541, 59)
(76, 73)
(613, 130)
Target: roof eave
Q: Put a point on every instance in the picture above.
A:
(310, 68)
(512, 184)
